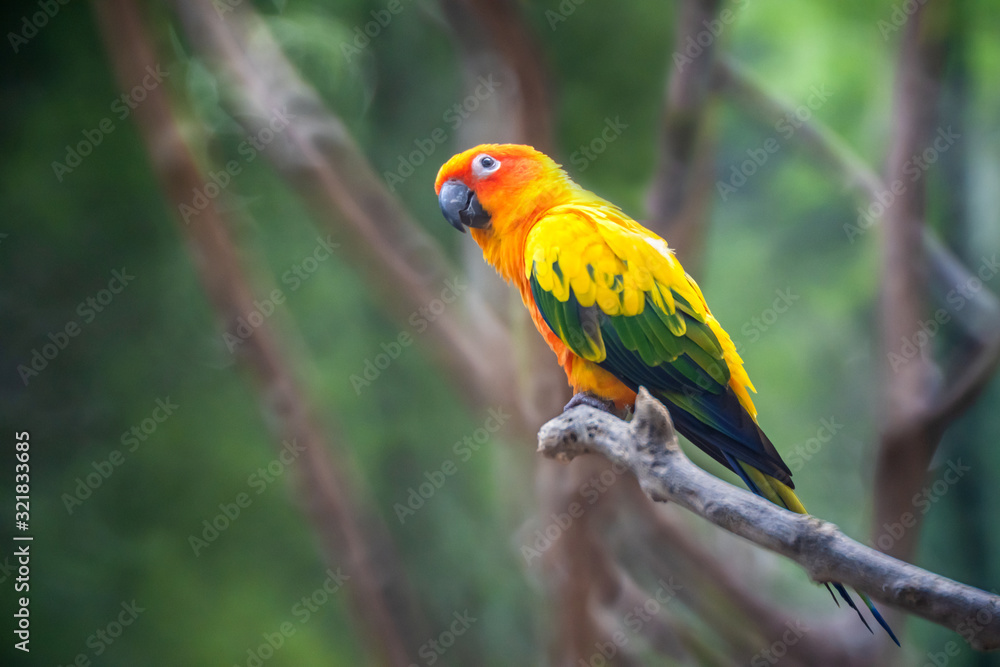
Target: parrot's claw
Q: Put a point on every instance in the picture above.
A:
(586, 398)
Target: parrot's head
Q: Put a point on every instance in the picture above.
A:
(498, 190)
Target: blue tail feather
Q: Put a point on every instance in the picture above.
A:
(735, 464)
(850, 603)
(871, 607)
(832, 594)
(878, 617)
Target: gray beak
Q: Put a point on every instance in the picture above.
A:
(461, 207)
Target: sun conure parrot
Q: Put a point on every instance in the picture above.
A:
(615, 306)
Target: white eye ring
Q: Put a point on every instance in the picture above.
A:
(484, 165)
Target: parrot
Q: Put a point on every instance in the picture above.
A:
(617, 308)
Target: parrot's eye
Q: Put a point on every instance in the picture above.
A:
(484, 165)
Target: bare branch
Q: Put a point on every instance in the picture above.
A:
(681, 190)
(318, 158)
(724, 599)
(820, 141)
(946, 271)
(648, 447)
(351, 537)
(940, 405)
(569, 578)
(965, 389)
(502, 27)
(908, 441)
(495, 42)
(666, 631)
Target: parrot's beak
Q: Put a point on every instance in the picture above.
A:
(461, 207)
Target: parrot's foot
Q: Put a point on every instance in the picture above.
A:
(586, 398)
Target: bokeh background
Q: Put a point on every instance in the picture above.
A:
(309, 343)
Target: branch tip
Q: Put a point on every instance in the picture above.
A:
(648, 448)
(564, 438)
(651, 425)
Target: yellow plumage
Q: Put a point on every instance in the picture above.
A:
(592, 249)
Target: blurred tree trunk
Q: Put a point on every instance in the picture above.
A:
(908, 442)
(352, 536)
(681, 192)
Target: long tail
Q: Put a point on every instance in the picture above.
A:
(779, 494)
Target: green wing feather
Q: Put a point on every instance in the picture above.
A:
(615, 296)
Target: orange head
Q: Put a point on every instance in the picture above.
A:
(499, 190)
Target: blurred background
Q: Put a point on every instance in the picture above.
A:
(280, 413)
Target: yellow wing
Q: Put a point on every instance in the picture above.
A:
(583, 256)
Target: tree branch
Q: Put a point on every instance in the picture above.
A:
(680, 193)
(519, 48)
(648, 447)
(722, 595)
(494, 41)
(318, 158)
(666, 631)
(908, 439)
(824, 145)
(946, 271)
(351, 536)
